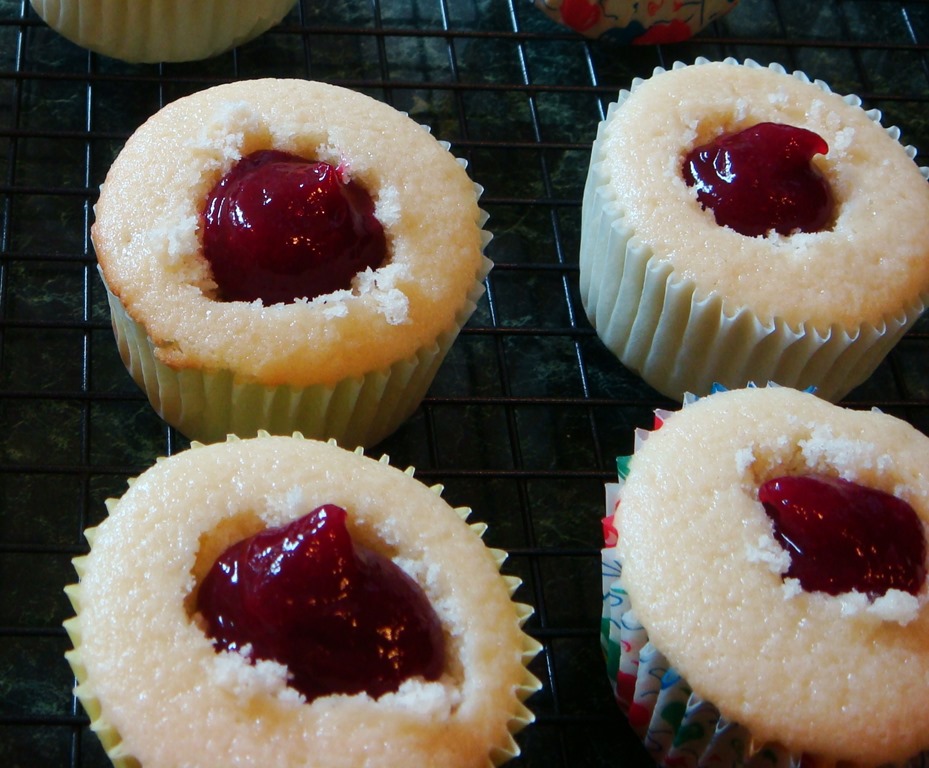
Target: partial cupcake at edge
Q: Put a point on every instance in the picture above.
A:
(765, 600)
(742, 223)
(279, 601)
(636, 23)
(161, 30)
(287, 255)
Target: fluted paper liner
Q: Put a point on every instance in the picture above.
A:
(208, 405)
(120, 753)
(655, 322)
(161, 30)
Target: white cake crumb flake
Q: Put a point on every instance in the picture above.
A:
(332, 304)
(387, 207)
(843, 139)
(394, 305)
(767, 550)
(744, 459)
(791, 588)
(777, 97)
(381, 285)
(225, 136)
(336, 310)
(742, 109)
(896, 605)
(285, 505)
(437, 699)
(235, 671)
(844, 455)
(180, 239)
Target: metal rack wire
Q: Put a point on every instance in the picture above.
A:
(529, 410)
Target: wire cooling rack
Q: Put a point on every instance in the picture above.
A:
(529, 410)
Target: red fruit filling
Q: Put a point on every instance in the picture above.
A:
(761, 179)
(843, 536)
(278, 227)
(342, 618)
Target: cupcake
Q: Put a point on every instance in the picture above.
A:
(737, 227)
(633, 22)
(189, 650)
(287, 255)
(765, 594)
(161, 30)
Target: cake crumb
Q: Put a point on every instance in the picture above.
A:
(387, 207)
(791, 588)
(437, 699)
(380, 284)
(225, 136)
(768, 551)
(843, 140)
(844, 455)
(896, 605)
(744, 459)
(778, 97)
(236, 671)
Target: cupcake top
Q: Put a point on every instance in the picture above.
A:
(148, 233)
(173, 699)
(877, 232)
(844, 676)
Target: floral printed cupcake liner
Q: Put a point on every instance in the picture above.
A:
(677, 726)
(622, 21)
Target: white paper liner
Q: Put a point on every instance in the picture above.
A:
(209, 405)
(161, 30)
(654, 322)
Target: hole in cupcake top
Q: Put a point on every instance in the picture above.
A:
(761, 179)
(279, 228)
(341, 617)
(845, 537)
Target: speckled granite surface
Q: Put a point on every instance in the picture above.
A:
(529, 410)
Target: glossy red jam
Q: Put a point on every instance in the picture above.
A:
(278, 227)
(342, 618)
(843, 536)
(761, 179)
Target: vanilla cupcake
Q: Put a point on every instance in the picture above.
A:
(687, 293)
(765, 594)
(161, 30)
(213, 351)
(161, 688)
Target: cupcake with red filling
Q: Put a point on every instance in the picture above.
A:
(765, 592)
(287, 255)
(738, 226)
(278, 601)
(161, 30)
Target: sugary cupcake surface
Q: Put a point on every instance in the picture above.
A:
(839, 677)
(863, 268)
(155, 684)
(147, 234)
